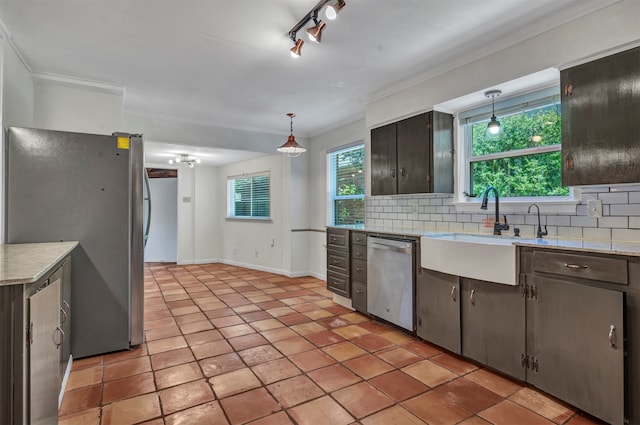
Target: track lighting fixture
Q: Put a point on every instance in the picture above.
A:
(291, 148)
(314, 32)
(493, 128)
(185, 159)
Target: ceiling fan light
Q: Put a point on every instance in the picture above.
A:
(315, 32)
(332, 10)
(296, 51)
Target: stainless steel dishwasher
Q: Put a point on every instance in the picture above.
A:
(390, 275)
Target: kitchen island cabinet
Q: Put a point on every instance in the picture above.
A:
(32, 286)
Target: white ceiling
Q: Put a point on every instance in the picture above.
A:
(226, 62)
(159, 154)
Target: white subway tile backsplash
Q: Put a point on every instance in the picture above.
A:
(592, 189)
(596, 234)
(463, 217)
(634, 222)
(449, 217)
(625, 188)
(436, 217)
(614, 198)
(628, 210)
(634, 197)
(442, 210)
(625, 235)
(583, 221)
(442, 225)
(614, 222)
(436, 201)
(471, 227)
(570, 232)
(559, 220)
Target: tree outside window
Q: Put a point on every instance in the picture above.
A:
(346, 185)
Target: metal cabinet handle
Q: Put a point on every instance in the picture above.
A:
(575, 266)
(359, 269)
(334, 240)
(393, 173)
(359, 291)
(403, 171)
(335, 261)
(453, 293)
(60, 334)
(358, 254)
(64, 315)
(612, 337)
(472, 297)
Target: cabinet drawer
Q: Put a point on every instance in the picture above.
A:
(604, 269)
(359, 297)
(338, 261)
(338, 283)
(359, 252)
(358, 238)
(338, 239)
(359, 270)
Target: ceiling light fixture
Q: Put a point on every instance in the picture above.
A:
(291, 148)
(185, 159)
(314, 32)
(493, 128)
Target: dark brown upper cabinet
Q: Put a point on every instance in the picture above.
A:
(414, 155)
(601, 120)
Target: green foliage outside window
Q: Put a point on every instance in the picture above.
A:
(348, 185)
(523, 173)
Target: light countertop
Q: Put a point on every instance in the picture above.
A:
(28, 262)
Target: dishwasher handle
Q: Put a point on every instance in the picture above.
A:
(405, 248)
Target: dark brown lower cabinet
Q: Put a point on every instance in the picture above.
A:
(575, 339)
(493, 324)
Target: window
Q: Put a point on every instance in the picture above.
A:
(249, 196)
(345, 175)
(523, 161)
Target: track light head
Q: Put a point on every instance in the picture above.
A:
(333, 9)
(296, 50)
(315, 32)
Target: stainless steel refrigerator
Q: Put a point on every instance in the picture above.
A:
(62, 186)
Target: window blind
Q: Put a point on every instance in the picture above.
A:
(250, 196)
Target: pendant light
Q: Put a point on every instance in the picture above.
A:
(493, 128)
(291, 148)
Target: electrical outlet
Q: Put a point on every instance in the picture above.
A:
(273, 243)
(235, 250)
(256, 253)
(594, 208)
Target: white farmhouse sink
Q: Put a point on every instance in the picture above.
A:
(489, 258)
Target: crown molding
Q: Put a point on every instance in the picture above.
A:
(72, 81)
(5, 34)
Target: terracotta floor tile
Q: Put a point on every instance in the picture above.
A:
(584, 419)
(398, 385)
(247, 308)
(323, 410)
(318, 314)
(351, 331)
(372, 342)
(307, 328)
(160, 323)
(395, 415)
(508, 413)
(362, 399)
(543, 405)
(131, 410)
(87, 362)
(85, 377)
(185, 310)
(176, 375)
(190, 318)
(126, 368)
(279, 334)
(84, 417)
(223, 322)
(333, 322)
(203, 337)
(474, 420)
(368, 366)
(266, 324)
(429, 373)
(248, 406)
(469, 395)
(310, 360)
(293, 345)
(213, 366)
(219, 312)
(398, 356)
(81, 399)
(279, 418)
(304, 307)
(396, 337)
(454, 363)
(375, 327)
(275, 370)
(293, 319)
(344, 351)
(185, 396)
(161, 333)
(166, 344)
(128, 387)
(234, 382)
(189, 328)
(210, 349)
(422, 348)
(333, 377)
(493, 381)
(337, 309)
(260, 354)
(324, 338)
(236, 330)
(294, 391)
(355, 318)
(247, 341)
(437, 410)
(280, 311)
(255, 316)
(171, 358)
(139, 351)
(205, 414)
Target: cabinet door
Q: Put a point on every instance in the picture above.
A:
(414, 154)
(600, 126)
(383, 160)
(438, 309)
(493, 325)
(359, 296)
(44, 355)
(577, 355)
(64, 273)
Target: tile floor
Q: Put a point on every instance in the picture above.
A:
(229, 345)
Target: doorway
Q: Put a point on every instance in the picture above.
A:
(162, 242)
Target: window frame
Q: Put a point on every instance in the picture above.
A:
(463, 128)
(230, 202)
(331, 181)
